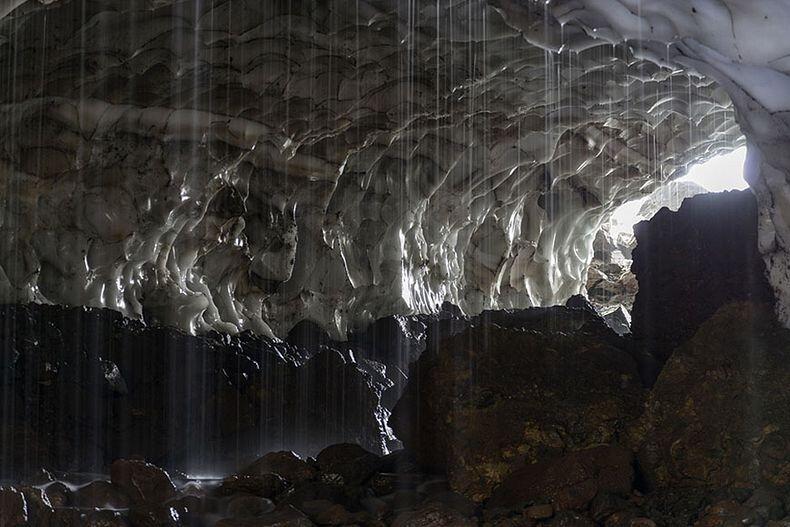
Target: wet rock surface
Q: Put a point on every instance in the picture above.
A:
(501, 394)
(691, 262)
(569, 482)
(84, 387)
(592, 487)
(717, 415)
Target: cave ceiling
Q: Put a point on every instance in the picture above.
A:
(242, 165)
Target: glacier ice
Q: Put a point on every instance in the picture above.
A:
(247, 165)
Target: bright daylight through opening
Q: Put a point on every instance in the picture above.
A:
(719, 174)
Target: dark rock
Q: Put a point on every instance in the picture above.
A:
(717, 416)
(376, 507)
(287, 517)
(263, 485)
(513, 377)
(249, 507)
(308, 335)
(13, 508)
(104, 519)
(404, 499)
(351, 463)
(569, 482)
(39, 509)
(150, 515)
(67, 517)
(606, 504)
(725, 514)
(129, 386)
(433, 486)
(396, 342)
(642, 522)
(192, 506)
(623, 518)
(141, 481)
(100, 494)
(286, 464)
(327, 513)
(539, 512)
(313, 491)
(454, 501)
(389, 482)
(580, 302)
(570, 519)
(432, 515)
(38, 478)
(767, 504)
(58, 494)
(691, 262)
(674, 507)
(400, 462)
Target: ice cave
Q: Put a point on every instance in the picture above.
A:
(410, 263)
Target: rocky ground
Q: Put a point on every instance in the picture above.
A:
(346, 485)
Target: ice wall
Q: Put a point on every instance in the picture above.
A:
(743, 45)
(240, 165)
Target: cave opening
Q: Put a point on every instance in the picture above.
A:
(611, 286)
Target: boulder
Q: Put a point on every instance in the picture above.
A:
(103, 518)
(285, 464)
(71, 517)
(725, 513)
(396, 342)
(285, 517)
(249, 507)
(569, 482)
(39, 509)
(570, 519)
(58, 494)
(717, 415)
(530, 386)
(432, 515)
(347, 464)
(262, 485)
(691, 262)
(618, 319)
(13, 507)
(100, 494)
(141, 481)
(150, 515)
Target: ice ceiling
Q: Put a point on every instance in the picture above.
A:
(235, 165)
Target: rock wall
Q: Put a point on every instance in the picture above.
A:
(717, 415)
(691, 262)
(81, 388)
(248, 165)
(502, 393)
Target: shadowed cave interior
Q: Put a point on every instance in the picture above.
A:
(299, 263)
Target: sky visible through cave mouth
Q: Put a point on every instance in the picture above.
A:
(724, 172)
